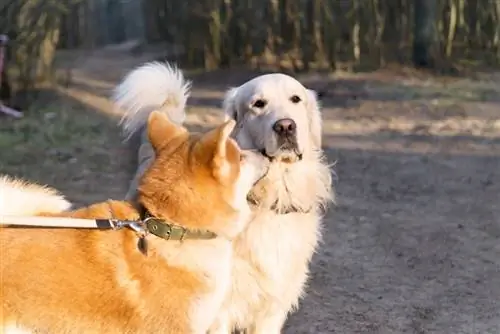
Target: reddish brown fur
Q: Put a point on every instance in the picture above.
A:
(197, 180)
(68, 280)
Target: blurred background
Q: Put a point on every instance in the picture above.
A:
(293, 35)
(410, 93)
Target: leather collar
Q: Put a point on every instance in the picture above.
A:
(170, 231)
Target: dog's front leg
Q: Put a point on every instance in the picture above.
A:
(220, 326)
(269, 323)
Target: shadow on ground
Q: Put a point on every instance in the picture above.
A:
(413, 244)
(381, 95)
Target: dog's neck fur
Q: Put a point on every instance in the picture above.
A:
(304, 185)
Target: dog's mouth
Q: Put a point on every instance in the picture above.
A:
(288, 155)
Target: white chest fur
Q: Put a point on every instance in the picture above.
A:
(212, 260)
(271, 265)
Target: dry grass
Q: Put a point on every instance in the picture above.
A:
(64, 143)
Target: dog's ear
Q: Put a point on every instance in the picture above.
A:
(223, 133)
(314, 115)
(229, 105)
(161, 130)
(217, 152)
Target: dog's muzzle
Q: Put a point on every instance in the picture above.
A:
(288, 151)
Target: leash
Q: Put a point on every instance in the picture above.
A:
(142, 228)
(79, 223)
(158, 227)
(63, 222)
(145, 225)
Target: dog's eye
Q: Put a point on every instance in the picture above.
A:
(259, 103)
(295, 99)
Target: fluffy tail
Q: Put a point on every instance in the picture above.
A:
(152, 86)
(20, 198)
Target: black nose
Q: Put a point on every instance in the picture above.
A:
(285, 127)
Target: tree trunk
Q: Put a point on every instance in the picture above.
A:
(496, 38)
(226, 48)
(424, 32)
(330, 35)
(213, 40)
(313, 41)
(290, 28)
(271, 23)
(318, 47)
(355, 30)
(151, 31)
(48, 48)
(452, 27)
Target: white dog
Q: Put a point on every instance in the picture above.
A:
(278, 116)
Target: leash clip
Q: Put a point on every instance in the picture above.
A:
(135, 226)
(138, 227)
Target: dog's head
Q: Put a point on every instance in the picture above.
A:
(199, 181)
(276, 115)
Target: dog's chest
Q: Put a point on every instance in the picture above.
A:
(211, 261)
(279, 248)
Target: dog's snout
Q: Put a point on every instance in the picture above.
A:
(285, 127)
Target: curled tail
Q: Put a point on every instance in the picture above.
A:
(152, 86)
(20, 198)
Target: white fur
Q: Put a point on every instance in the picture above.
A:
(272, 254)
(19, 198)
(148, 88)
(252, 168)
(218, 270)
(211, 259)
(14, 329)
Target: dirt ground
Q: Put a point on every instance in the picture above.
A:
(413, 242)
